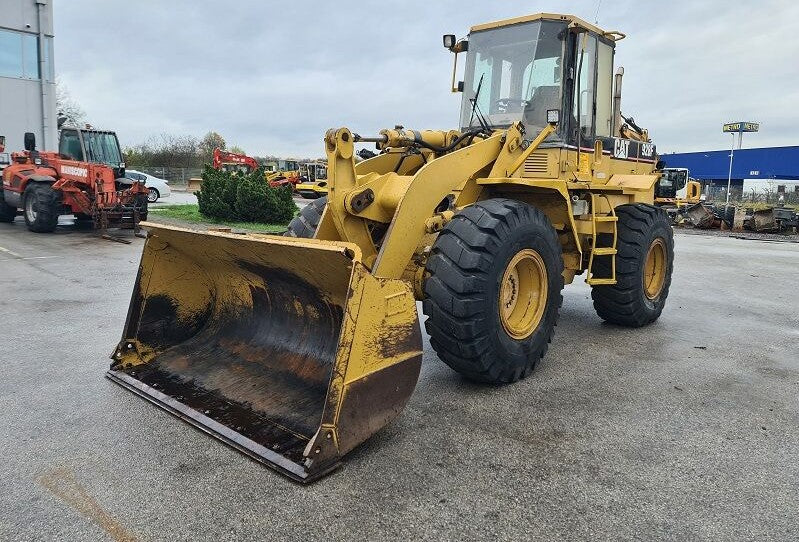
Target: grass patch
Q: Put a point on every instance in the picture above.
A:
(191, 213)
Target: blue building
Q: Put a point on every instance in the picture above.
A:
(712, 167)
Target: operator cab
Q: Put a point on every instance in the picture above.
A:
(671, 182)
(521, 70)
(312, 171)
(289, 165)
(93, 146)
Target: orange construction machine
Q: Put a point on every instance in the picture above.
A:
(86, 177)
(232, 162)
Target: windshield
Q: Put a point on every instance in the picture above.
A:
(520, 69)
(102, 148)
(676, 178)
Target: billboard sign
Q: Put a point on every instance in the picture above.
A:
(741, 127)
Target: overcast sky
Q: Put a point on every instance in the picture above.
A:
(271, 77)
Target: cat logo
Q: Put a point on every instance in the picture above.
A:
(621, 148)
(75, 171)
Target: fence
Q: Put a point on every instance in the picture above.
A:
(788, 195)
(177, 177)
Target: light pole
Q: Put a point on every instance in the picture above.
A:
(729, 175)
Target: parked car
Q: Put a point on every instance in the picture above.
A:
(158, 188)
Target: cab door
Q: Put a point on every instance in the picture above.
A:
(70, 145)
(591, 104)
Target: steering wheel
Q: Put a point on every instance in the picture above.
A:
(503, 104)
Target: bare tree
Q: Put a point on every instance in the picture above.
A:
(208, 143)
(68, 111)
(165, 150)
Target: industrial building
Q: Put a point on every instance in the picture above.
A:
(27, 75)
(774, 169)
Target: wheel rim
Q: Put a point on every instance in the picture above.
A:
(30, 211)
(655, 269)
(523, 294)
(152, 195)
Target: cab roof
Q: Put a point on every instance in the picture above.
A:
(571, 19)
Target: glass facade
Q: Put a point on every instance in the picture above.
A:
(19, 55)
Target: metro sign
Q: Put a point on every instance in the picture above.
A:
(741, 127)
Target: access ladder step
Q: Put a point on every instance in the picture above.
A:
(605, 251)
(601, 282)
(608, 218)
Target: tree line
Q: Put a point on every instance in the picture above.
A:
(185, 151)
(164, 150)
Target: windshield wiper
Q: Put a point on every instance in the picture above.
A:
(474, 100)
(484, 126)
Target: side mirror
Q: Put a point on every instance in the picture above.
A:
(30, 141)
(449, 41)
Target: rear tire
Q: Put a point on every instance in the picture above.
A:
(153, 195)
(494, 290)
(304, 224)
(142, 203)
(642, 284)
(7, 212)
(41, 205)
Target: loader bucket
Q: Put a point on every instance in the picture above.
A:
(287, 349)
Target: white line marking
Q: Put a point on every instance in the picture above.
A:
(28, 258)
(10, 252)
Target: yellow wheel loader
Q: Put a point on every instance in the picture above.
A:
(675, 191)
(296, 349)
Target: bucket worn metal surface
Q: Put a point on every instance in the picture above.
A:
(287, 349)
(700, 216)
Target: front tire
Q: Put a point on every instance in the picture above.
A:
(644, 265)
(7, 212)
(305, 224)
(152, 195)
(41, 205)
(494, 290)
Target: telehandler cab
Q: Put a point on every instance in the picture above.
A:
(296, 349)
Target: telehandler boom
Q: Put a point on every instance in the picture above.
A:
(296, 349)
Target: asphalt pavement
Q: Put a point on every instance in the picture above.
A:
(686, 429)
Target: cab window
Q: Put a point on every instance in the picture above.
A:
(604, 90)
(69, 145)
(583, 106)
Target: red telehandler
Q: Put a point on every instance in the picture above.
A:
(86, 177)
